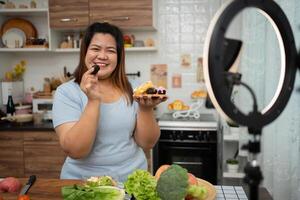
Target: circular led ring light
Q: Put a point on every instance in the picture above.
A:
(214, 71)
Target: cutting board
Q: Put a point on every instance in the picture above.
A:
(25, 25)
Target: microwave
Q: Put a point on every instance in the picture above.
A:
(43, 106)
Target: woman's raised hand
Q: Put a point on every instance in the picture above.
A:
(90, 85)
(149, 101)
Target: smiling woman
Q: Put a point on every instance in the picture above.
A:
(101, 126)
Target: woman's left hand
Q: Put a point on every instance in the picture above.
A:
(149, 101)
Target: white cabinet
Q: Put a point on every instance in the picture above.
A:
(233, 139)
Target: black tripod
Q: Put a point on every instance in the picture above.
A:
(253, 174)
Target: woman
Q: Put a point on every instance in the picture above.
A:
(101, 127)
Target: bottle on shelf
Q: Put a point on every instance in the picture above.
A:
(10, 107)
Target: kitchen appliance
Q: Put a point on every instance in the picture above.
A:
(191, 143)
(14, 88)
(43, 105)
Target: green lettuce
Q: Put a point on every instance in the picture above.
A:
(141, 184)
(100, 181)
(77, 192)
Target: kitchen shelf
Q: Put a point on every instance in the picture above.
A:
(131, 49)
(231, 137)
(141, 49)
(233, 175)
(23, 49)
(24, 12)
(67, 50)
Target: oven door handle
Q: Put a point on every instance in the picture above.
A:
(188, 163)
(189, 148)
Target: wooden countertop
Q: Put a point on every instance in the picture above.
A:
(50, 189)
(43, 189)
(28, 126)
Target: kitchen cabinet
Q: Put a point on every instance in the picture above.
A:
(56, 19)
(43, 155)
(23, 153)
(126, 14)
(11, 154)
(68, 14)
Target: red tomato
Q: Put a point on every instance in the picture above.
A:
(23, 197)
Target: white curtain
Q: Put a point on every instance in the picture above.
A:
(280, 149)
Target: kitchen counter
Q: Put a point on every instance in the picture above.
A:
(45, 189)
(30, 126)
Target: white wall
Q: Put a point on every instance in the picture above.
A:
(182, 26)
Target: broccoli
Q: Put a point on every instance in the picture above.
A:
(173, 183)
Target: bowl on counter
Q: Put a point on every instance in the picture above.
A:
(20, 118)
(23, 109)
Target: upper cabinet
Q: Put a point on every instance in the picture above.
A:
(127, 14)
(68, 14)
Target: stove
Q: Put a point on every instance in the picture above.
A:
(189, 142)
(206, 121)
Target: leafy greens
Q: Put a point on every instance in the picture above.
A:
(141, 184)
(77, 192)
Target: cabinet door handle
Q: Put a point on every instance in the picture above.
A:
(68, 20)
(122, 18)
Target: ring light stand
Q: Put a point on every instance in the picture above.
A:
(219, 81)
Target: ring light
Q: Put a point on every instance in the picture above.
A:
(214, 70)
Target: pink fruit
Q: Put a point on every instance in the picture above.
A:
(10, 184)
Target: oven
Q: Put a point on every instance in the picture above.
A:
(190, 143)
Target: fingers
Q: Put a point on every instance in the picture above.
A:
(150, 100)
(88, 81)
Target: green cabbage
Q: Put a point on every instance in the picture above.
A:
(141, 184)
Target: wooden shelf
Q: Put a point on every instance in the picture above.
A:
(233, 174)
(24, 12)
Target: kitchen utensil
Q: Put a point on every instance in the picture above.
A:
(26, 26)
(23, 109)
(138, 43)
(27, 186)
(21, 118)
(14, 38)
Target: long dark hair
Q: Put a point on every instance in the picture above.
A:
(118, 77)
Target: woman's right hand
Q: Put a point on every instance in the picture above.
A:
(90, 85)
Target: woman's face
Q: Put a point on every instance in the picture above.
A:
(103, 52)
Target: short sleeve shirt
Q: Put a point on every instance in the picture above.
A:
(114, 152)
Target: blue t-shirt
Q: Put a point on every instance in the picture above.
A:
(114, 152)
